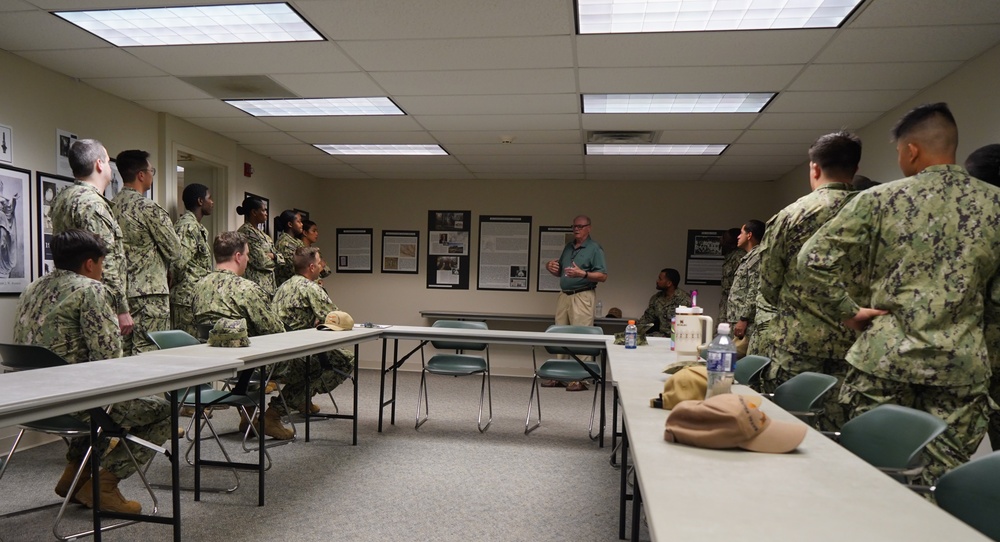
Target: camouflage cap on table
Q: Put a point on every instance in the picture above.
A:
(229, 333)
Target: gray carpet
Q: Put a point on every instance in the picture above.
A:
(443, 482)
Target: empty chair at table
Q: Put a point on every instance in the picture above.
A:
(457, 364)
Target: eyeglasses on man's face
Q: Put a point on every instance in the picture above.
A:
(151, 171)
(580, 226)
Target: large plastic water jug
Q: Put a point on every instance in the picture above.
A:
(694, 329)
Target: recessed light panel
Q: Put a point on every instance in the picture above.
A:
(384, 150)
(318, 107)
(627, 16)
(596, 149)
(237, 23)
(740, 102)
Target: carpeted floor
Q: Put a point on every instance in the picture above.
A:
(443, 482)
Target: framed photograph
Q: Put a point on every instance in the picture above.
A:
(399, 251)
(47, 186)
(264, 226)
(15, 232)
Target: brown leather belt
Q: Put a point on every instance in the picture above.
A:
(587, 289)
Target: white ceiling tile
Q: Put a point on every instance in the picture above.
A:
(500, 149)
(92, 63)
(190, 109)
(306, 159)
(403, 160)
(518, 136)
(540, 168)
(16, 5)
(501, 123)
(513, 104)
(836, 101)
(894, 13)
(41, 31)
(247, 58)
(669, 121)
(529, 176)
(462, 54)
(389, 171)
(261, 138)
(740, 174)
(806, 137)
(232, 124)
(332, 171)
(285, 150)
(875, 76)
(441, 83)
(823, 121)
(392, 19)
(627, 173)
(762, 160)
(395, 123)
(148, 88)
(647, 162)
(925, 44)
(330, 85)
(687, 79)
(771, 149)
(365, 138)
(698, 136)
(521, 160)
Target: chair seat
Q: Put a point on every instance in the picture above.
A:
(566, 370)
(455, 364)
(218, 397)
(59, 424)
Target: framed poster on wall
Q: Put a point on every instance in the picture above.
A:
(504, 250)
(399, 251)
(448, 249)
(704, 257)
(354, 250)
(47, 186)
(551, 241)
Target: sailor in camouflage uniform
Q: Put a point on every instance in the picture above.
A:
(83, 206)
(151, 248)
(663, 305)
(263, 258)
(67, 311)
(741, 307)
(302, 304)
(801, 337)
(928, 249)
(290, 225)
(731, 262)
(197, 255)
(224, 293)
(310, 235)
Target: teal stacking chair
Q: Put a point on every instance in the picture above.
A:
(803, 394)
(749, 370)
(891, 438)
(20, 357)
(566, 370)
(971, 493)
(457, 364)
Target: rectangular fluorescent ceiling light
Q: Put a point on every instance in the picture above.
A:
(738, 102)
(236, 23)
(601, 149)
(384, 150)
(318, 107)
(631, 16)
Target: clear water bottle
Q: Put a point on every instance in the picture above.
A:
(632, 335)
(599, 309)
(721, 362)
(673, 333)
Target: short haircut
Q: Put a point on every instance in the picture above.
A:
(72, 248)
(755, 227)
(192, 193)
(933, 125)
(227, 244)
(308, 225)
(82, 155)
(250, 203)
(286, 216)
(860, 182)
(130, 163)
(984, 164)
(837, 154)
(304, 256)
(672, 275)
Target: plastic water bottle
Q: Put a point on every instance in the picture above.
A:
(599, 309)
(673, 333)
(632, 335)
(721, 361)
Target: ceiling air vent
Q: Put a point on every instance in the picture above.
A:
(621, 137)
(230, 87)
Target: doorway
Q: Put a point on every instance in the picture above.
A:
(195, 169)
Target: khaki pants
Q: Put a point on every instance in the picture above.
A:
(576, 309)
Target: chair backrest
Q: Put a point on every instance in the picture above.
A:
(454, 345)
(204, 330)
(972, 494)
(749, 369)
(23, 357)
(171, 338)
(804, 391)
(585, 330)
(891, 436)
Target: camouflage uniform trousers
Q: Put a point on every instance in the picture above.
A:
(964, 408)
(785, 365)
(761, 339)
(994, 425)
(149, 313)
(146, 417)
(182, 318)
(326, 372)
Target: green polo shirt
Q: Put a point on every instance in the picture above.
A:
(589, 257)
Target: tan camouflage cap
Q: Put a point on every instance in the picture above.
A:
(229, 333)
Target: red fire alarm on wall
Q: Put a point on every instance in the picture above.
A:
(247, 169)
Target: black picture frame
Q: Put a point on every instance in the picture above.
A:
(15, 229)
(47, 186)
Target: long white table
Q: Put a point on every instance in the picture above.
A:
(491, 336)
(821, 492)
(600, 321)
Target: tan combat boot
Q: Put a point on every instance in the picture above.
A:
(112, 500)
(273, 426)
(66, 480)
(312, 408)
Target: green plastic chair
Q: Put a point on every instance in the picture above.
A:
(750, 368)
(971, 493)
(21, 357)
(891, 438)
(802, 395)
(566, 370)
(457, 364)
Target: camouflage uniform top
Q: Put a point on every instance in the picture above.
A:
(729, 267)
(69, 314)
(224, 294)
(197, 260)
(927, 248)
(152, 244)
(803, 328)
(662, 308)
(286, 245)
(260, 268)
(301, 303)
(743, 294)
(81, 206)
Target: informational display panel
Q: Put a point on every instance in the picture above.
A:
(551, 241)
(504, 250)
(399, 251)
(448, 249)
(704, 257)
(354, 250)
